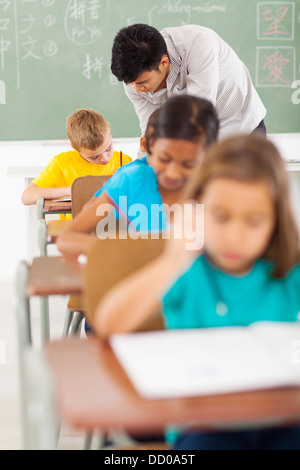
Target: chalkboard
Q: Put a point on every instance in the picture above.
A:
(55, 58)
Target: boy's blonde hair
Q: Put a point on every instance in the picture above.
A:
(254, 158)
(86, 129)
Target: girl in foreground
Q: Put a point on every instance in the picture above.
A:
(247, 270)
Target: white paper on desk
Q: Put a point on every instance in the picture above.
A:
(178, 363)
(62, 199)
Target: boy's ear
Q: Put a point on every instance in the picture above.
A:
(143, 144)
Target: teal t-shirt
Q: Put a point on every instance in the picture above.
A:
(206, 297)
(133, 190)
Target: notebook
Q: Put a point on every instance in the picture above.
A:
(182, 363)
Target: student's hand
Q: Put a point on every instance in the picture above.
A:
(186, 235)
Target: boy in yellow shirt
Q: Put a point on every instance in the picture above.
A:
(93, 154)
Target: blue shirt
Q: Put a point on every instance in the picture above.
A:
(206, 297)
(133, 190)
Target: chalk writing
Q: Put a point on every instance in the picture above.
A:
(275, 20)
(29, 46)
(2, 92)
(28, 22)
(181, 11)
(131, 21)
(275, 66)
(93, 8)
(92, 67)
(83, 24)
(48, 3)
(19, 38)
(210, 8)
(49, 21)
(4, 22)
(113, 80)
(5, 42)
(5, 4)
(50, 48)
(4, 45)
(296, 94)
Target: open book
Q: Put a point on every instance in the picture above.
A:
(178, 363)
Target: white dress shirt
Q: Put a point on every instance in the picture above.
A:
(204, 65)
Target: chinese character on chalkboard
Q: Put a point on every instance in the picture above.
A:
(275, 20)
(275, 66)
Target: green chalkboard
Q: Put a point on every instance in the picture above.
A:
(55, 58)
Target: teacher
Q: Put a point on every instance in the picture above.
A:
(189, 59)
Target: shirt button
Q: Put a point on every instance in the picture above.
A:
(221, 309)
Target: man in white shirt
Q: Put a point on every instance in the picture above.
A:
(189, 59)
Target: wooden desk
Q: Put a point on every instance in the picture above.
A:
(47, 275)
(46, 207)
(57, 206)
(93, 392)
(55, 275)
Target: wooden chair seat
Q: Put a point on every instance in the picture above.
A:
(54, 228)
(76, 303)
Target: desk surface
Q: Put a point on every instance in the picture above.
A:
(93, 391)
(55, 275)
(50, 205)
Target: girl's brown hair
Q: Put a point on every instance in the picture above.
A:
(254, 158)
(86, 129)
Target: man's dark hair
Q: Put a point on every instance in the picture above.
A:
(136, 49)
(183, 117)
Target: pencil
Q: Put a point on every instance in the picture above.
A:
(122, 214)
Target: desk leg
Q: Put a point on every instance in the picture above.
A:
(42, 423)
(24, 338)
(45, 323)
(31, 235)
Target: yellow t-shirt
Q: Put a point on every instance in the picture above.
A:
(64, 168)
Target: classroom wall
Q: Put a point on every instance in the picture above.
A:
(13, 243)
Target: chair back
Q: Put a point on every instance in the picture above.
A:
(109, 261)
(83, 189)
